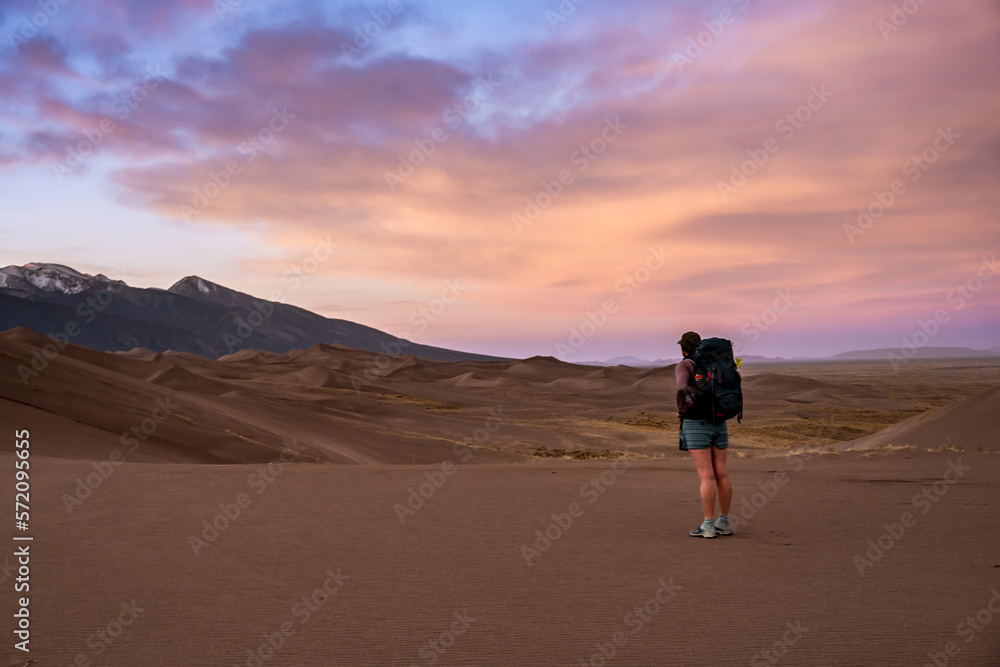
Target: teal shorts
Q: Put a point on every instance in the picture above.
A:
(698, 434)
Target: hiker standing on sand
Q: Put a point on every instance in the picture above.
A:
(707, 442)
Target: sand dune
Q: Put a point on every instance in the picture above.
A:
(971, 424)
(141, 353)
(255, 356)
(318, 353)
(761, 390)
(472, 379)
(334, 404)
(803, 389)
(534, 367)
(183, 380)
(310, 376)
(784, 384)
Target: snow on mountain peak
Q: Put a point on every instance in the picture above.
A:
(47, 277)
(192, 284)
(56, 268)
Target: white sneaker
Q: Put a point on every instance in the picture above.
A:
(707, 529)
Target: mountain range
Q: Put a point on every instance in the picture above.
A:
(201, 317)
(928, 352)
(637, 362)
(194, 315)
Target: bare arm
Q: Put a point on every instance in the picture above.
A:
(684, 373)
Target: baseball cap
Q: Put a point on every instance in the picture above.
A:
(689, 339)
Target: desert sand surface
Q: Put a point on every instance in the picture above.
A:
(125, 555)
(334, 507)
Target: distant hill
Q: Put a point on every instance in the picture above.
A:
(922, 353)
(880, 354)
(194, 315)
(636, 362)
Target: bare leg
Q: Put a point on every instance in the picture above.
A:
(722, 480)
(703, 460)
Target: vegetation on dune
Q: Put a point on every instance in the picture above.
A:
(545, 452)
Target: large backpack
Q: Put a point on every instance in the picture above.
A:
(717, 383)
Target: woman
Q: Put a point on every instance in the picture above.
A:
(707, 442)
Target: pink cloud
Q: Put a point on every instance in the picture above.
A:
(685, 127)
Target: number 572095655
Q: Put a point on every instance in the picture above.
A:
(22, 484)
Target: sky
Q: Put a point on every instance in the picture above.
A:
(577, 178)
